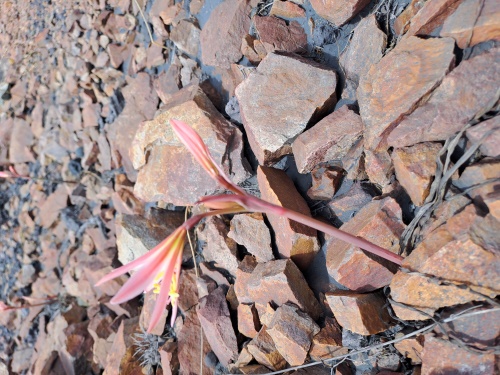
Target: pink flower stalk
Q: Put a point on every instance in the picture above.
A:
(11, 173)
(157, 270)
(244, 201)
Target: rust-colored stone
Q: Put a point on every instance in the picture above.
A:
(326, 181)
(360, 313)
(264, 351)
(277, 34)
(468, 91)
(344, 206)
(286, 9)
(186, 36)
(489, 145)
(379, 222)
(365, 49)
(328, 140)
(402, 22)
(473, 22)
(328, 342)
(248, 320)
(155, 149)
(292, 331)
(338, 11)
(411, 348)
(251, 231)
(385, 97)
(278, 86)
(415, 167)
(486, 169)
(295, 241)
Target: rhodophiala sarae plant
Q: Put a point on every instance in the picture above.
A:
(159, 270)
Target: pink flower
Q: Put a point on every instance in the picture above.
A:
(159, 270)
(11, 173)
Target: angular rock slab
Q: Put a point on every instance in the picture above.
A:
(279, 99)
(328, 342)
(468, 28)
(394, 86)
(248, 320)
(263, 349)
(156, 150)
(365, 49)
(221, 41)
(292, 331)
(360, 313)
(415, 168)
(467, 92)
(326, 180)
(484, 170)
(441, 356)
(379, 222)
(277, 281)
(489, 145)
(251, 231)
(330, 139)
(277, 34)
(338, 11)
(215, 319)
(294, 240)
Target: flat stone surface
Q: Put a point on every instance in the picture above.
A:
(155, 148)
(251, 231)
(338, 11)
(215, 319)
(402, 22)
(431, 16)
(379, 222)
(264, 351)
(346, 205)
(277, 281)
(292, 331)
(287, 9)
(441, 356)
(277, 34)
(293, 240)
(326, 180)
(384, 96)
(220, 41)
(473, 22)
(218, 247)
(328, 342)
(489, 145)
(415, 168)
(281, 84)
(248, 320)
(20, 142)
(469, 90)
(360, 313)
(365, 49)
(186, 36)
(330, 139)
(477, 173)
(411, 348)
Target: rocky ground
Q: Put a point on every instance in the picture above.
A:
(378, 117)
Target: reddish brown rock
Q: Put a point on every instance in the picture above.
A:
(328, 140)
(346, 205)
(286, 9)
(243, 275)
(251, 231)
(211, 271)
(360, 313)
(338, 11)
(440, 356)
(253, 49)
(468, 91)
(188, 339)
(326, 181)
(142, 102)
(220, 41)
(147, 311)
(379, 222)
(328, 342)
(424, 294)
(402, 22)
(248, 320)
(155, 148)
(277, 86)
(219, 248)
(411, 348)
(188, 290)
(214, 317)
(365, 49)
(415, 167)
(491, 130)
(431, 16)
(486, 169)
(277, 34)
(186, 36)
(292, 331)
(473, 22)
(264, 351)
(277, 281)
(169, 360)
(384, 97)
(51, 208)
(295, 241)
(21, 141)
(492, 201)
